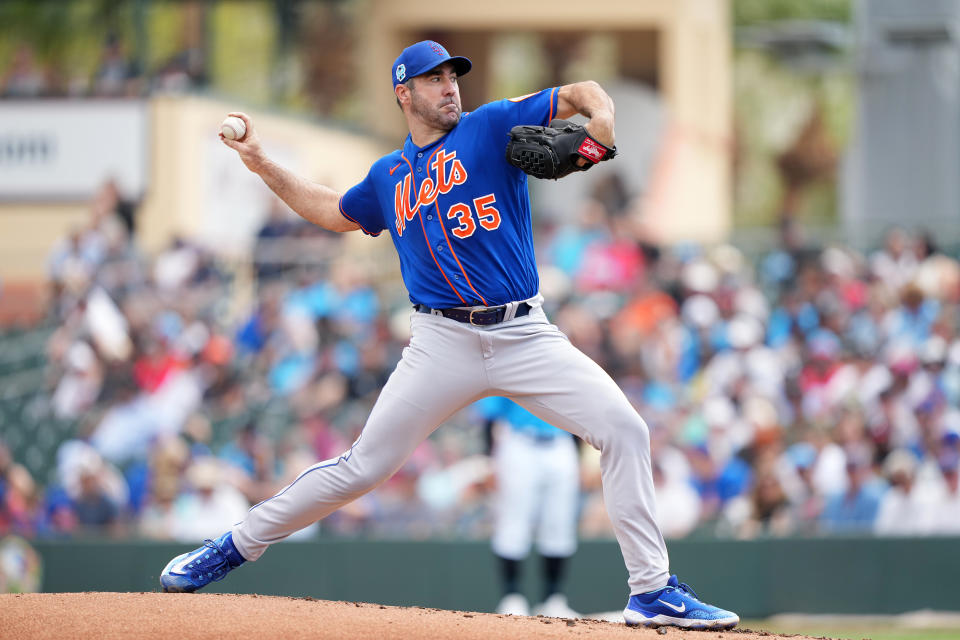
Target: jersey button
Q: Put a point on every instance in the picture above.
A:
(429, 216)
(439, 248)
(420, 155)
(419, 169)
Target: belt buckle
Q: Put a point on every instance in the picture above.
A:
(473, 311)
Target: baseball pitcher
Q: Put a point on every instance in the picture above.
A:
(454, 201)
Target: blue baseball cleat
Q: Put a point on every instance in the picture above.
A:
(211, 562)
(676, 605)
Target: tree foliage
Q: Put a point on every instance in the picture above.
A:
(49, 24)
(62, 33)
(754, 12)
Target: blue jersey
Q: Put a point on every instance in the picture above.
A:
(519, 419)
(458, 212)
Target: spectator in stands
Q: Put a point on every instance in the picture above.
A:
(854, 510)
(270, 253)
(906, 508)
(253, 455)
(796, 477)
(819, 374)
(182, 72)
(180, 266)
(18, 497)
(128, 426)
(910, 323)
(294, 358)
(154, 364)
(570, 244)
(158, 518)
(262, 326)
(80, 385)
(614, 262)
(58, 519)
(114, 201)
(946, 509)
(209, 506)
(72, 265)
(122, 271)
(678, 504)
(25, 77)
(96, 511)
(159, 484)
(896, 263)
(115, 76)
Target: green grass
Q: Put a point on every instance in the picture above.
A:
(852, 631)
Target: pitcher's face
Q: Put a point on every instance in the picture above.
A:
(435, 97)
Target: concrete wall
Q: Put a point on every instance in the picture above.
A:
(903, 165)
(196, 187)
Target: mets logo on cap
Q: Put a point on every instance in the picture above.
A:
(438, 49)
(401, 72)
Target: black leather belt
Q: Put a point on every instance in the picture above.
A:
(481, 316)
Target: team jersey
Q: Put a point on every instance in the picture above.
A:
(457, 211)
(519, 419)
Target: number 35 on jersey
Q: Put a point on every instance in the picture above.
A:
(449, 172)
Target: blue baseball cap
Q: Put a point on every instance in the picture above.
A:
(422, 57)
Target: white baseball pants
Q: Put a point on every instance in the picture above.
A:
(538, 490)
(448, 365)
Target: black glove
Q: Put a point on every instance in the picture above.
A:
(552, 152)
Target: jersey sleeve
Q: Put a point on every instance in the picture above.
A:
(534, 109)
(359, 204)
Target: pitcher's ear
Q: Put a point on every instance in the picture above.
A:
(402, 92)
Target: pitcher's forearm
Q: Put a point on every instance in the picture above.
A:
(311, 201)
(590, 100)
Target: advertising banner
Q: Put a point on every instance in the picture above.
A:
(64, 150)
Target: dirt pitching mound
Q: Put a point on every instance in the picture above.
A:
(109, 616)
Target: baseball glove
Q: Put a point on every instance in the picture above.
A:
(552, 151)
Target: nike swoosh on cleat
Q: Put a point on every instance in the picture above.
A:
(179, 564)
(680, 609)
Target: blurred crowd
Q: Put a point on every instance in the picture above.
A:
(116, 75)
(804, 391)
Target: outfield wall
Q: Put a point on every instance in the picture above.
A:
(755, 579)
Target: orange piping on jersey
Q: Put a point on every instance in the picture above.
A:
(523, 97)
(554, 90)
(344, 214)
(395, 168)
(443, 228)
(427, 240)
(454, 254)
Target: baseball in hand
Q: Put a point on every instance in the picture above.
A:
(233, 128)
